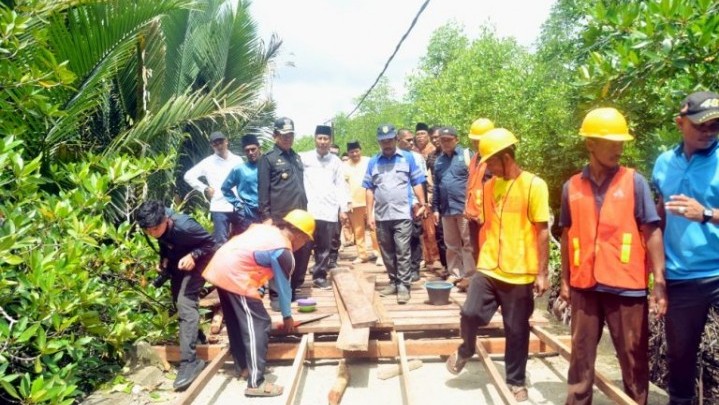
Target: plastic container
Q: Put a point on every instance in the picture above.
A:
(306, 305)
(438, 292)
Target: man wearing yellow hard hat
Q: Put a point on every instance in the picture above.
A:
(477, 177)
(239, 270)
(609, 225)
(513, 258)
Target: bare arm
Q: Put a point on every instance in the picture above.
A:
(564, 249)
(542, 282)
(369, 197)
(655, 249)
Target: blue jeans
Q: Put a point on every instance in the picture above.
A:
(227, 224)
(689, 303)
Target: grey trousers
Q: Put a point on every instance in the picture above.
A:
(186, 297)
(394, 243)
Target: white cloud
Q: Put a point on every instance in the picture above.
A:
(338, 47)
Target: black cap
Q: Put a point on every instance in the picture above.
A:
(353, 144)
(448, 131)
(217, 135)
(421, 126)
(284, 125)
(701, 107)
(250, 139)
(323, 130)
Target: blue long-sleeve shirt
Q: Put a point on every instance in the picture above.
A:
(450, 182)
(282, 262)
(243, 178)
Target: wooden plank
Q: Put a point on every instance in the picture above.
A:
(196, 387)
(296, 371)
(358, 306)
(376, 349)
(350, 338)
(338, 389)
(497, 379)
(393, 370)
(407, 391)
(604, 384)
(171, 353)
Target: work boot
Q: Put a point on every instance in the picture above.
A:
(402, 294)
(187, 373)
(389, 290)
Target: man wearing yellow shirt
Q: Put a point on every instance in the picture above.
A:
(354, 170)
(513, 258)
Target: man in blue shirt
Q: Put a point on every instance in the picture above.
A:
(240, 187)
(451, 171)
(392, 176)
(688, 183)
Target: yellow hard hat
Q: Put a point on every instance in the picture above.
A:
(301, 220)
(494, 141)
(605, 123)
(480, 127)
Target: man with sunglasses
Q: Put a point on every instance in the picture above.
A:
(240, 186)
(215, 169)
(688, 183)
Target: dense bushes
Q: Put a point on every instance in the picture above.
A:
(65, 310)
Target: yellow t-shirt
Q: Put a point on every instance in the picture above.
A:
(354, 174)
(538, 212)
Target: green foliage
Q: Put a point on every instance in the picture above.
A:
(66, 309)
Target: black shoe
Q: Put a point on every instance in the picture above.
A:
(332, 265)
(187, 374)
(321, 284)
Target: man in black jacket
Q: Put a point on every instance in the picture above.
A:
(185, 249)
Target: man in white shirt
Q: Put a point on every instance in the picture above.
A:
(215, 169)
(327, 199)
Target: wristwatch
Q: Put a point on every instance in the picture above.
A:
(708, 215)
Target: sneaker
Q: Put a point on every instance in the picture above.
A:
(321, 284)
(187, 373)
(379, 262)
(389, 290)
(415, 277)
(402, 295)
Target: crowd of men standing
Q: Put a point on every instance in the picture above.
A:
(476, 217)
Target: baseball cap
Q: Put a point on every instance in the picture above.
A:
(448, 131)
(701, 107)
(386, 131)
(216, 136)
(284, 125)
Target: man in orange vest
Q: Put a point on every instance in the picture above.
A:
(610, 229)
(240, 269)
(513, 258)
(475, 181)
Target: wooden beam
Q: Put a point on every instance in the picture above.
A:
(406, 389)
(188, 397)
(393, 370)
(338, 389)
(602, 382)
(497, 379)
(350, 338)
(358, 306)
(296, 372)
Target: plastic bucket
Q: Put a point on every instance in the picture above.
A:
(438, 292)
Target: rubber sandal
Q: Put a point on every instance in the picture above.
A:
(455, 363)
(266, 389)
(519, 392)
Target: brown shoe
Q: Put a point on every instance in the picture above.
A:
(455, 363)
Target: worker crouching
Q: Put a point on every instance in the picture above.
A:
(240, 269)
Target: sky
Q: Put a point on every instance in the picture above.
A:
(333, 50)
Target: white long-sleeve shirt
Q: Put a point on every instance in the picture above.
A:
(215, 169)
(326, 189)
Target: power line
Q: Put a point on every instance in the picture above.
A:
(386, 65)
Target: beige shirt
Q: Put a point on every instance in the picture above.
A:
(354, 175)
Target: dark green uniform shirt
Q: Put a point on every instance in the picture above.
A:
(281, 186)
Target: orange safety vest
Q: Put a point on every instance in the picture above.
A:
(474, 186)
(233, 267)
(605, 247)
(507, 252)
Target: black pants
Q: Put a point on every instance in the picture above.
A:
(393, 237)
(248, 328)
(302, 259)
(324, 234)
(689, 303)
(441, 247)
(336, 243)
(185, 286)
(415, 244)
(483, 296)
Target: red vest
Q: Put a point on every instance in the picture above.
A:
(233, 267)
(605, 247)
